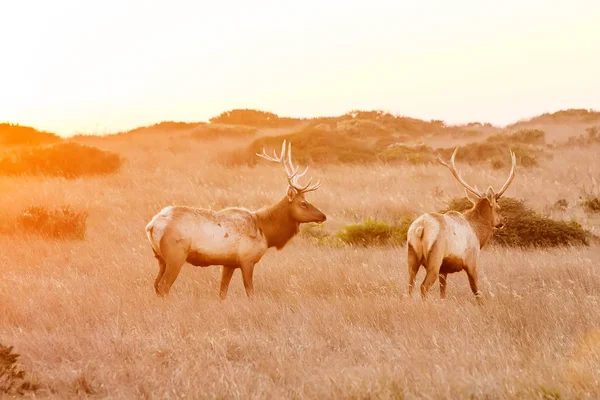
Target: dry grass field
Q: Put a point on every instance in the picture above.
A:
(326, 321)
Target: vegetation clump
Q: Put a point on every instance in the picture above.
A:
(375, 233)
(64, 222)
(13, 381)
(591, 204)
(523, 227)
(63, 159)
(18, 135)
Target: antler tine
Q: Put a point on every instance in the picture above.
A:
(511, 176)
(273, 158)
(453, 170)
(313, 187)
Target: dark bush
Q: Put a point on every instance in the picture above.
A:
(524, 227)
(61, 223)
(64, 159)
(13, 381)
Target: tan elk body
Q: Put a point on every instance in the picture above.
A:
(450, 242)
(232, 237)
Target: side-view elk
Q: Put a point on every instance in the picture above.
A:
(450, 242)
(232, 237)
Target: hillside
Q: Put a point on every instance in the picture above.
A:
(19, 135)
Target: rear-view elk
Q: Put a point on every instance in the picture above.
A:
(232, 237)
(450, 242)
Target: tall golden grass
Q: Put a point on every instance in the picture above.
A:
(325, 322)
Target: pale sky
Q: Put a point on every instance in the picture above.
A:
(74, 66)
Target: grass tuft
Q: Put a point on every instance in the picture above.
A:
(13, 380)
(61, 223)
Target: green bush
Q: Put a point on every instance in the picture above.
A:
(64, 159)
(17, 135)
(375, 233)
(13, 381)
(61, 223)
(524, 227)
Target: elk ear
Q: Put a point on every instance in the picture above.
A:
(472, 198)
(490, 195)
(291, 193)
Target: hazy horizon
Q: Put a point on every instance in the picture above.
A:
(108, 67)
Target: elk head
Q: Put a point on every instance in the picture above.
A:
(490, 197)
(300, 209)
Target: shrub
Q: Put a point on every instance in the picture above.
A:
(561, 205)
(12, 380)
(591, 204)
(524, 227)
(64, 159)
(61, 223)
(219, 131)
(375, 233)
(17, 135)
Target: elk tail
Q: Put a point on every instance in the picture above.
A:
(415, 236)
(149, 229)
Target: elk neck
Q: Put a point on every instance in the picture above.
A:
(481, 219)
(277, 224)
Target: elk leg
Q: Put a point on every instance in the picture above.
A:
(472, 274)
(247, 271)
(413, 267)
(171, 273)
(428, 282)
(226, 275)
(432, 265)
(443, 278)
(162, 266)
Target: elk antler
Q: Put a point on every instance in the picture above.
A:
(454, 172)
(511, 176)
(285, 158)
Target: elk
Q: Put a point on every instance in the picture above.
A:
(451, 242)
(232, 237)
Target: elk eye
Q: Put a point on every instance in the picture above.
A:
(304, 204)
